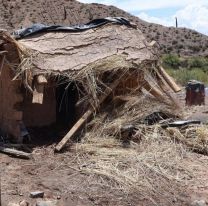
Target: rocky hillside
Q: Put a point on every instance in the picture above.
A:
(20, 13)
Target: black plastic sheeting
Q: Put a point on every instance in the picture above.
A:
(39, 28)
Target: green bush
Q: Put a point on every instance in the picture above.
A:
(185, 69)
(182, 76)
(198, 62)
(171, 60)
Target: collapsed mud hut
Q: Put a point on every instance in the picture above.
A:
(57, 74)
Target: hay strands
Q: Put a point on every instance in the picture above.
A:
(86, 116)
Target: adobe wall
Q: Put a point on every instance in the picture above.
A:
(130, 84)
(9, 96)
(38, 115)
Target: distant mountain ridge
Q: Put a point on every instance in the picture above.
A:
(15, 14)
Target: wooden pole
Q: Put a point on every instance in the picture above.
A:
(15, 153)
(2, 64)
(165, 87)
(169, 80)
(154, 91)
(85, 117)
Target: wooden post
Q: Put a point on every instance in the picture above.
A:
(165, 87)
(15, 153)
(154, 91)
(2, 64)
(38, 92)
(169, 80)
(85, 117)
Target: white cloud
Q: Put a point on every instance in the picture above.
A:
(141, 5)
(192, 16)
(157, 20)
(195, 17)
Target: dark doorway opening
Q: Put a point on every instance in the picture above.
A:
(66, 98)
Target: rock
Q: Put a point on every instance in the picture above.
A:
(198, 203)
(23, 203)
(46, 203)
(37, 194)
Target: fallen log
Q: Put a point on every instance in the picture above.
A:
(85, 117)
(15, 153)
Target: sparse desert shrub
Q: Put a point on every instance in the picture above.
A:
(174, 42)
(169, 48)
(171, 60)
(198, 62)
(194, 48)
(180, 46)
(182, 76)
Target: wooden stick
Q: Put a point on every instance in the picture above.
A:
(85, 117)
(3, 52)
(41, 79)
(38, 93)
(154, 91)
(15, 153)
(169, 80)
(165, 87)
(2, 64)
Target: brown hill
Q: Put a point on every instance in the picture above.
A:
(20, 13)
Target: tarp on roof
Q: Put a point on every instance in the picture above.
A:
(39, 28)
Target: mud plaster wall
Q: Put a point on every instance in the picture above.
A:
(9, 96)
(129, 84)
(38, 115)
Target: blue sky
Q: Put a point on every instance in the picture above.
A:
(190, 13)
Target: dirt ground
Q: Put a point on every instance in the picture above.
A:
(59, 176)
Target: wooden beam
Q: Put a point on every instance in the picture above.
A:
(154, 91)
(152, 43)
(3, 52)
(165, 87)
(15, 153)
(2, 64)
(85, 117)
(41, 79)
(38, 94)
(169, 80)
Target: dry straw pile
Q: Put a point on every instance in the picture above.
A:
(150, 167)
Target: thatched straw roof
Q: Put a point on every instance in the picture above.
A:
(83, 57)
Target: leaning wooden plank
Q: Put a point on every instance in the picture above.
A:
(85, 117)
(15, 153)
(154, 91)
(169, 80)
(165, 87)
